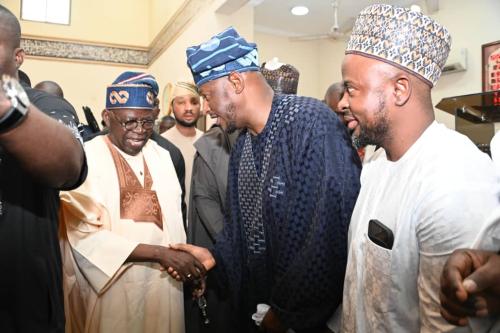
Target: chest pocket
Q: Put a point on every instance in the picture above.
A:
(377, 284)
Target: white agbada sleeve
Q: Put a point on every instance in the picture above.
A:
(99, 253)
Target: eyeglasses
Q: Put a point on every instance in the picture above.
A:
(132, 124)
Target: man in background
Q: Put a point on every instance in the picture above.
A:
(185, 105)
(208, 206)
(166, 123)
(50, 87)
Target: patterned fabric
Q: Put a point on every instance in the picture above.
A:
(283, 80)
(406, 38)
(137, 203)
(310, 180)
(251, 185)
(224, 53)
(132, 90)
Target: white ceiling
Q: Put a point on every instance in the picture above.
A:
(274, 17)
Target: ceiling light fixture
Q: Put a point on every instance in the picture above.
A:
(299, 10)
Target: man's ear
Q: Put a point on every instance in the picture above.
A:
(237, 82)
(19, 53)
(402, 89)
(156, 112)
(105, 117)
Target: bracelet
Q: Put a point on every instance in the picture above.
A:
(11, 120)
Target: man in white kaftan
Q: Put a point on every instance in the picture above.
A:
(426, 195)
(434, 199)
(130, 202)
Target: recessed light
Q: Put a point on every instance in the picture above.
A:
(299, 10)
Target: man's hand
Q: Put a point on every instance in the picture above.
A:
(470, 286)
(272, 324)
(181, 265)
(199, 287)
(202, 254)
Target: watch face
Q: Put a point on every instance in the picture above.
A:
(14, 90)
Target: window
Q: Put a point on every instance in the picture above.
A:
(50, 11)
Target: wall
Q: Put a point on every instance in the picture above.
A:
(171, 65)
(330, 62)
(82, 83)
(123, 22)
(471, 24)
(302, 55)
(160, 12)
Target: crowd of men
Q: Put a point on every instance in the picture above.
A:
(274, 220)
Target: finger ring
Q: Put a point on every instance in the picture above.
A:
(189, 276)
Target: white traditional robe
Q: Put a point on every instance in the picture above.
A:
(103, 293)
(434, 199)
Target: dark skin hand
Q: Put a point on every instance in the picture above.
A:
(199, 286)
(186, 266)
(470, 286)
(28, 144)
(272, 324)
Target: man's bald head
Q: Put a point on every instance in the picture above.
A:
(50, 87)
(334, 94)
(10, 29)
(11, 55)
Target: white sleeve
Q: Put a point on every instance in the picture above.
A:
(98, 252)
(448, 218)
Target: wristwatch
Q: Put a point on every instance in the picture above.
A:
(19, 103)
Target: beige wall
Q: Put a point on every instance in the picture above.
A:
(471, 24)
(330, 63)
(160, 11)
(302, 55)
(82, 83)
(171, 65)
(123, 22)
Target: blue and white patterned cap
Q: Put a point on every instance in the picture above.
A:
(405, 38)
(132, 90)
(224, 53)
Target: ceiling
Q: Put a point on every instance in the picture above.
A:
(274, 17)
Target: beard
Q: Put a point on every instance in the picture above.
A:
(231, 123)
(186, 123)
(379, 132)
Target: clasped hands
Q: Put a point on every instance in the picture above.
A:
(188, 262)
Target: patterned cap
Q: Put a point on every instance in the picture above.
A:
(132, 90)
(224, 53)
(405, 38)
(283, 80)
